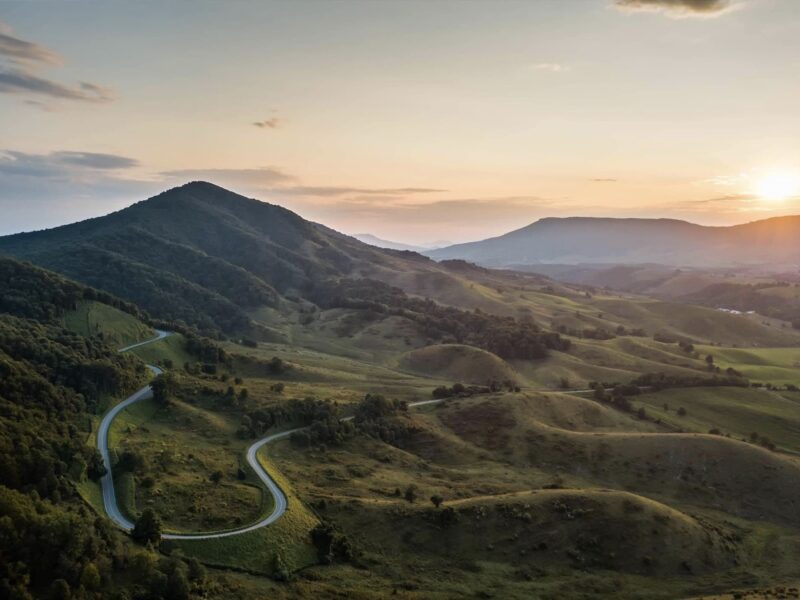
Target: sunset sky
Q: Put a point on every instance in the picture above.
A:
(413, 121)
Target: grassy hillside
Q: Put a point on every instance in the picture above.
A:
(771, 416)
(117, 328)
(539, 492)
(457, 362)
(779, 366)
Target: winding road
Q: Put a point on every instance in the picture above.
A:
(107, 481)
(281, 504)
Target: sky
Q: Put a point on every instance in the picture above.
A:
(415, 121)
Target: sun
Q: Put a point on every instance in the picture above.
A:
(777, 186)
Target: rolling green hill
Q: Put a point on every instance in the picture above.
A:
(533, 491)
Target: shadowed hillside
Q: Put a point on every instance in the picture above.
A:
(207, 256)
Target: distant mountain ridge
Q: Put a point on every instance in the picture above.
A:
(576, 240)
(373, 240)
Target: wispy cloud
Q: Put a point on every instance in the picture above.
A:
(550, 67)
(44, 190)
(271, 180)
(260, 180)
(20, 61)
(312, 190)
(61, 165)
(604, 180)
(272, 123)
(24, 52)
(679, 8)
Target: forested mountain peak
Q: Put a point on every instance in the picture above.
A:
(208, 256)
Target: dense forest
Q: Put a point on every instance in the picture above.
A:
(34, 293)
(51, 383)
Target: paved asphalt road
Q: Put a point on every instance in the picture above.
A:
(107, 482)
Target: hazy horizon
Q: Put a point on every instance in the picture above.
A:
(424, 244)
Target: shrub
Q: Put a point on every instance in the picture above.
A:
(147, 528)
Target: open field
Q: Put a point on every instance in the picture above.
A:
(778, 366)
(117, 328)
(740, 412)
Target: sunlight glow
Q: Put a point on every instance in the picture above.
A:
(777, 186)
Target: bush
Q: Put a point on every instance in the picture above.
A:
(331, 544)
(410, 494)
(147, 528)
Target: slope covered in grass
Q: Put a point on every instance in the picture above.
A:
(458, 362)
(117, 328)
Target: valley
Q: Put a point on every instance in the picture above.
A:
(336, 419)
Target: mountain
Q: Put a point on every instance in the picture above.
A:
(577, 240)
(209, 257)
(372, 240)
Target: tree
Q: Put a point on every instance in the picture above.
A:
(197, 572)
(147, 528)
(710, 361)
(276, 366)
(177, 585)
(681, 412)
(411, 493)
(279, 570)
(95, 468)
(437, 500)
(216, 476)
(131, 461)
(59, 590)
(90, 578)
(163, 388)
(331, 544)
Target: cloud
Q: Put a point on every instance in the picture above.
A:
(273, 181)
(258, 180)
(311, 190)
(95, 160)
(61, 165)
(21, 51)
(271, 123)
(550, 67)
(19, 62)
(604, 180)
(44, 190)
(679, 8)
(15, 81)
